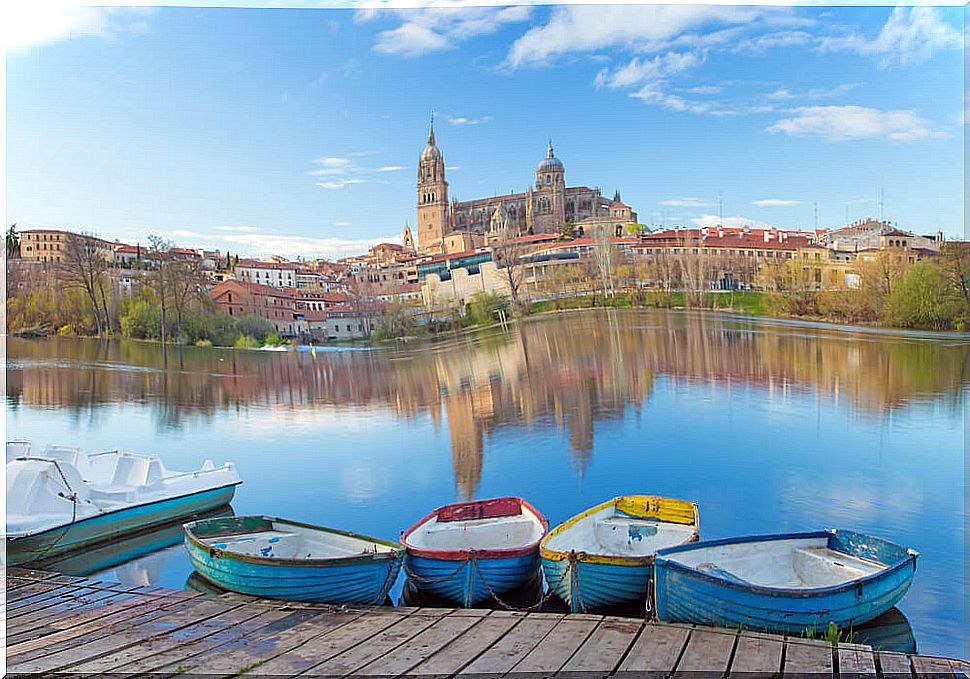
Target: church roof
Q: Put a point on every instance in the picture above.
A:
(550, 162)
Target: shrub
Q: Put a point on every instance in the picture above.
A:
(141, 320)
(255, 327)
(203, 343)
(483, 307)
(274, 340)
(247, 342)
(922, 299)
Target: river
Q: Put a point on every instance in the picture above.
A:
(770, 426)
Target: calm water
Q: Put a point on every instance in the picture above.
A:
(769, 426)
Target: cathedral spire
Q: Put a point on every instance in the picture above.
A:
(549, 153)
(431, 131)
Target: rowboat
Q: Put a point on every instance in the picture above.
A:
(602, 557)
(61, 499)
(281, 559)
(791, 582)
(473, 551)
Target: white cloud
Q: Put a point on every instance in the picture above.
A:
(391, 168)
(706, 89)
(460, 120)
(843, 123)
(778, 40)
(711, 221)
(333, 161)
(264, 244)
(685, 202)
(638, 71)
(237, 229)
(910, 35)
(29, 24)
(776, 202)
(434, 29)
(585, 28)
(339, 183)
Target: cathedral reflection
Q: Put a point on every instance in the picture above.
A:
(573, 372)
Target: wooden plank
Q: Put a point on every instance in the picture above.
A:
(894, 665)
(29, 627)
(39, 593)
(856, 659)
(605, 647)
(179, 658)
(657, 649)
(84, 601)
(807, 657)
(422, 646)
(183, 635)
(514, 646)
(757, 655)
(926, 666)
(558, 646)
(322, 644)
(379, 645)
(708, 651)
(124, 637)
(467, 647)
(256, 647)
(68, 629)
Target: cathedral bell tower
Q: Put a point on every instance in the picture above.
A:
(432, 197)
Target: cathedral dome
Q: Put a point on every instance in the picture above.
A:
(550, 162)
(430, 152)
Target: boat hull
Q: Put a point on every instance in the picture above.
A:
(363, 579)
(688, 596)
(112, 525)
(586, 586)
(461, 580)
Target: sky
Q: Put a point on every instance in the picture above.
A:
(297, 131)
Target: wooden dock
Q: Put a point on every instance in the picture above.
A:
(78, 626)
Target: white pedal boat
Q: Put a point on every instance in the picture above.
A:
(62, 499)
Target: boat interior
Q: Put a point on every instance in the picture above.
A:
(803, 563)
(500, 532)
(295, 542)
(611, 533)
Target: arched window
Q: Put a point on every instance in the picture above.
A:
(548, 179)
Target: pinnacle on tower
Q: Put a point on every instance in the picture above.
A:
(431, 131)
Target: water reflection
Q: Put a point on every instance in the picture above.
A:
(768, 426)
(576, 372)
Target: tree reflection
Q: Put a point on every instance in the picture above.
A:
(570, 371)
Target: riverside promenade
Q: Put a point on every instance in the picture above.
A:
(68, 626)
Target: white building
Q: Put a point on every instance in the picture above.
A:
(273, 274)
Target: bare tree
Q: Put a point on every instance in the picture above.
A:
(158, 253)
(84, 265)
(507, 251)
(186, 281)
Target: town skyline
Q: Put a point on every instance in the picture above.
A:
(304, 147)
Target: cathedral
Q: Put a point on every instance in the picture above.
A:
(546, 207)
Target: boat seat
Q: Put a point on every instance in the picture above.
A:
(820, 566)
(614, 530)
(718, 572)
(270, 544)
(130, 471)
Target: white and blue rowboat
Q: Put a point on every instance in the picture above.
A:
(792, 582)
(602, 557)
(280, 559)
(474, 551)
(61, 500)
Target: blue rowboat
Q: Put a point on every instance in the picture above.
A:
(602, 557)
(280, 559)
(792, 582)
(474, 551)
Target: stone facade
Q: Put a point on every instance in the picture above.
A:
(546, 207)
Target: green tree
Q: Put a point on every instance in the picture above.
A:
(922, 298)
(255, 327)
(483, 308)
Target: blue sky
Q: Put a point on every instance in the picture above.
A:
(297, 131)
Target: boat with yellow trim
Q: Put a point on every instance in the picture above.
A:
(603, 556)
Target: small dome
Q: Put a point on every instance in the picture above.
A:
(550, 162)
(430, 152)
